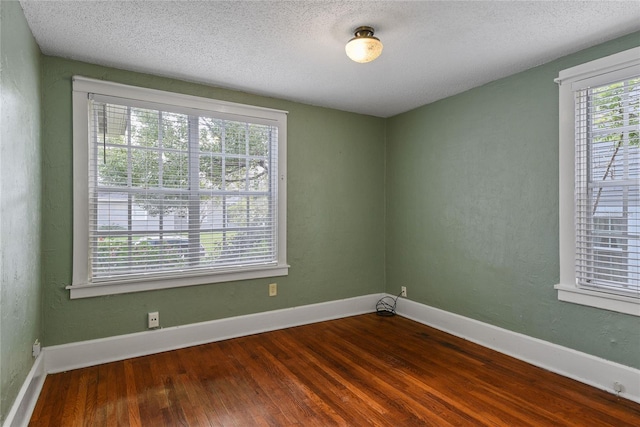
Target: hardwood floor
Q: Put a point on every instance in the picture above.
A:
(358, 371)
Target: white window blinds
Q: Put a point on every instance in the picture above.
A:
(607, 197)
(175, 190)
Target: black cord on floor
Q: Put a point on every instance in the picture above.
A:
(386, 306)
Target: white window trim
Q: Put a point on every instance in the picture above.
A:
(601, 71)
(80, 288)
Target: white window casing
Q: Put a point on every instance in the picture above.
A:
(599, 222)
(174, 190)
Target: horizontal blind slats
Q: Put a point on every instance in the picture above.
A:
(607, 198)
(171, 191)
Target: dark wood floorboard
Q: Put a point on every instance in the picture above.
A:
(359, 371)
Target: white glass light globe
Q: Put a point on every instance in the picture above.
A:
(363, 49)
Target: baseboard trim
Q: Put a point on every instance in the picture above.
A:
(583, 367)
(81, 354)
(25, 402)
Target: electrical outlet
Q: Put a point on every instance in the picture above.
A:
(273, 289)
(153, 320)
(403, 292)
(35, 350)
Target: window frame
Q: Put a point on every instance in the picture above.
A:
(81, 287)
(605, 70)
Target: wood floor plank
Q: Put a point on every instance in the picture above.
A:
(362, 370)
(372, 398)
(336, 391)
(133, 408)
(91, 395)
(267, 407)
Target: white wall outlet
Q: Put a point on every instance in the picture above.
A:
(153, 320)
(273, 289)
(618, 387)
(35, 350)
(403, 291)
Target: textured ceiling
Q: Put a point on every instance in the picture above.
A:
(295, 49)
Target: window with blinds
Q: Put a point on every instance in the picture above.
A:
(175, 187)
(607, 179)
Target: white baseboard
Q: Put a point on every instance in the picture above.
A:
(25, 402)
(583, 367)
(81, 354)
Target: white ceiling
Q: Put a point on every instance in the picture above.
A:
(295, 49)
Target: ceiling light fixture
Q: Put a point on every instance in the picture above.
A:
(363, 47)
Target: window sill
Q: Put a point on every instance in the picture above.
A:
(156, 283)
(617, 303)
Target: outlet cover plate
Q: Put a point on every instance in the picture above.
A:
(153, 320)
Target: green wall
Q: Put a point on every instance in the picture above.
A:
(468, 186)
(335, 216)
(472, 211)
(20, 186)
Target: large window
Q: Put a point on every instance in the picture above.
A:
(600, 174)
(173, 190)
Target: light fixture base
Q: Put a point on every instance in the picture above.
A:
(363, 31)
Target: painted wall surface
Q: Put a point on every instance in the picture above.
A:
(472, 211)
(20, 189)
(335, 216)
